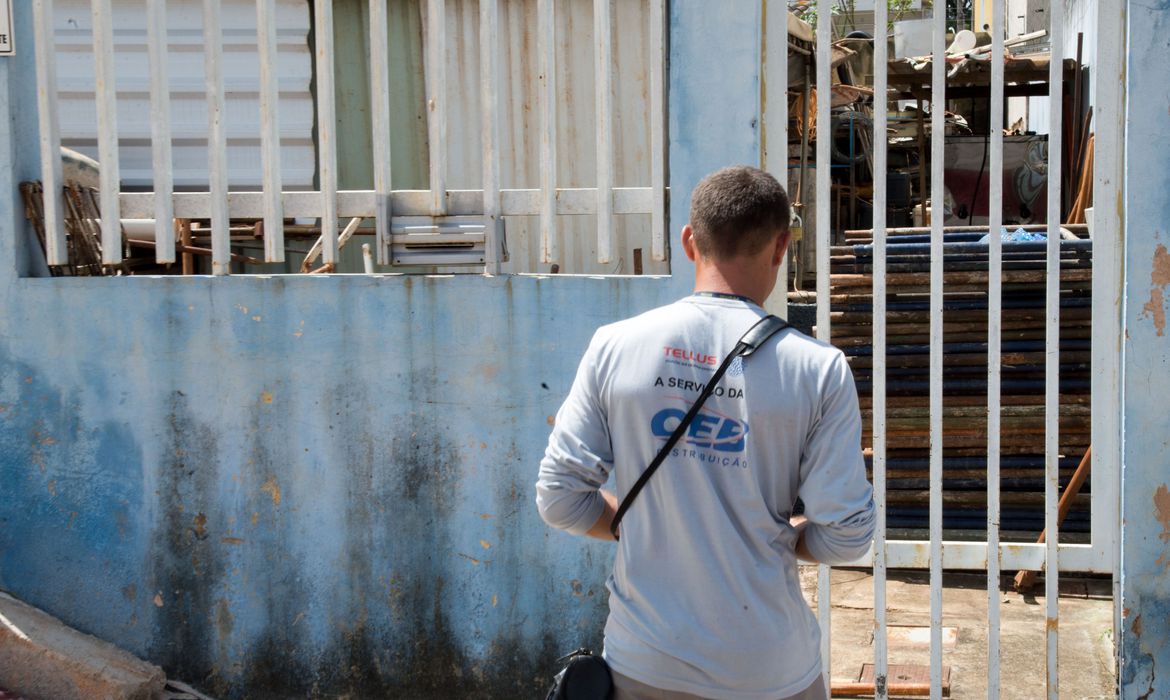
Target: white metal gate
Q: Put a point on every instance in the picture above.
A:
(993, 555)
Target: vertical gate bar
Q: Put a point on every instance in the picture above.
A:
(216, 138)
(994, 325)
(774, 105)
(436, 81)
(489, 20)
(380, 124)
(326, 129)
(1108, 110)
(270, 131)
(937, 131)
(56, 248)
(880, 194)
(657, 63)
(160, 132)
(1052, 349)
(603, 77)
(823, 164)
(105, 93)
(546, 35)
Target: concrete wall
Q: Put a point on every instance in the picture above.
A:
(1145, 551)
(301, 486)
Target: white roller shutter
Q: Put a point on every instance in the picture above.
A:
(72, 22)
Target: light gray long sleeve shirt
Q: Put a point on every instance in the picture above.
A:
(704, 596)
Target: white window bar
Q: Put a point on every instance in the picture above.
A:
(513, 202)
(326, 128)
(937, 131)
(994, 325)
(1052, 348)
(823, 164)
(603, 77)
(489, 21)
(774, 133)
(880, 144)
(658, 129)
(380, 123)
(436, 80)
(546, 47)
(216, 138)
(160, 131)
(270, 131)
(1108, 108)
(107, 125)
(52, 182)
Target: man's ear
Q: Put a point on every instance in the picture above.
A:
(688, 242)
(781, 248)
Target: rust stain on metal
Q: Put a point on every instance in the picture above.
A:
(266, 396)
(1155, 308)
(495, 600)
(233, 540)
(1162, 510)
(158, 601)
(1137, 626)
(485, 544)
(201, 526)
(271, 488)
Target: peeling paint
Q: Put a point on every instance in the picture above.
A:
(1155, 308)
(1162, 510)
(271, 488)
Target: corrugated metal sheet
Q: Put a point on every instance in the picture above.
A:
(576, 123)
(72, 23)
(519, 118)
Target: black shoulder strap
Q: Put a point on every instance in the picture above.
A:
(755, 337)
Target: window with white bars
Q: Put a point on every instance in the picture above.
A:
(497, 136)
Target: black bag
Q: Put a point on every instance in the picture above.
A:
(586, 676)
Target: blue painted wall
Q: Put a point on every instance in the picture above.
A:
(1145, 554)
(310, 486)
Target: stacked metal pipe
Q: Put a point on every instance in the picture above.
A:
(965, 324)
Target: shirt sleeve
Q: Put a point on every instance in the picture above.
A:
(838, 498)
(579, 456)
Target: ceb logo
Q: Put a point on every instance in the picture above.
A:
(707, 430)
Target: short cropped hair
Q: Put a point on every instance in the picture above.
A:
(737, 211)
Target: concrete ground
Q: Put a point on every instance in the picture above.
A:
(1086, 665)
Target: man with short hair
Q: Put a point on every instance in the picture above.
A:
(704, 598)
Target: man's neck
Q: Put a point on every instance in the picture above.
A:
(729, 279)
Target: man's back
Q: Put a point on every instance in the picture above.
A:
(704, 595)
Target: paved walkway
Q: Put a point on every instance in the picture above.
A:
(1086, 631)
